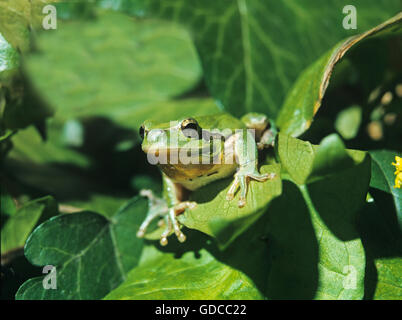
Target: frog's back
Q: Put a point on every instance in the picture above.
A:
(220, 121)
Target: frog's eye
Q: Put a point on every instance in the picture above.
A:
(142, 132)
(190, 128)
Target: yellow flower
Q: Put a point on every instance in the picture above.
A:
(398, 172)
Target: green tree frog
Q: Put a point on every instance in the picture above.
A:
(193, 152)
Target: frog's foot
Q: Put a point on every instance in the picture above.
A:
(159, 208)
(242, 179)
(172, 224)
(267, 140)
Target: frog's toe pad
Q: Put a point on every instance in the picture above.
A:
(140, 233)
(242, 202)
(181, 237)
(163, 241)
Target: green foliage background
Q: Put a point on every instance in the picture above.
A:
(72, 100)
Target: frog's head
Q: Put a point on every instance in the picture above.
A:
(180, 142)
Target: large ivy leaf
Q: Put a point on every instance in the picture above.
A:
(92, 254)
(305, 97)
(191, 277)
(116, 65)
(201, 270)
(18, 227)
(223, 219)
(248, 64)
(383, 182)
(315, 246)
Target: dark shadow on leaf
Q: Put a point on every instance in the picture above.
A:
(338, 208)
(291, 246)
(207, 194)
(196, 241)
(386, 205)
(381, 239)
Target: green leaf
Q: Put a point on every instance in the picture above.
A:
(348, 121)
(92, 254)
(253, 51)
(332, 156)
(106, 205)
(115, 66)
(382, 184)
(304, 162)
(14, 22)
(223, 219)
(315, 246)
(19, 226)
(17, 17)
(8, 207)
(306, 95)
(29, 146)
(188, 278)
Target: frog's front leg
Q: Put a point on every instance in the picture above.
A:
(168, 209)
(245, 149)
